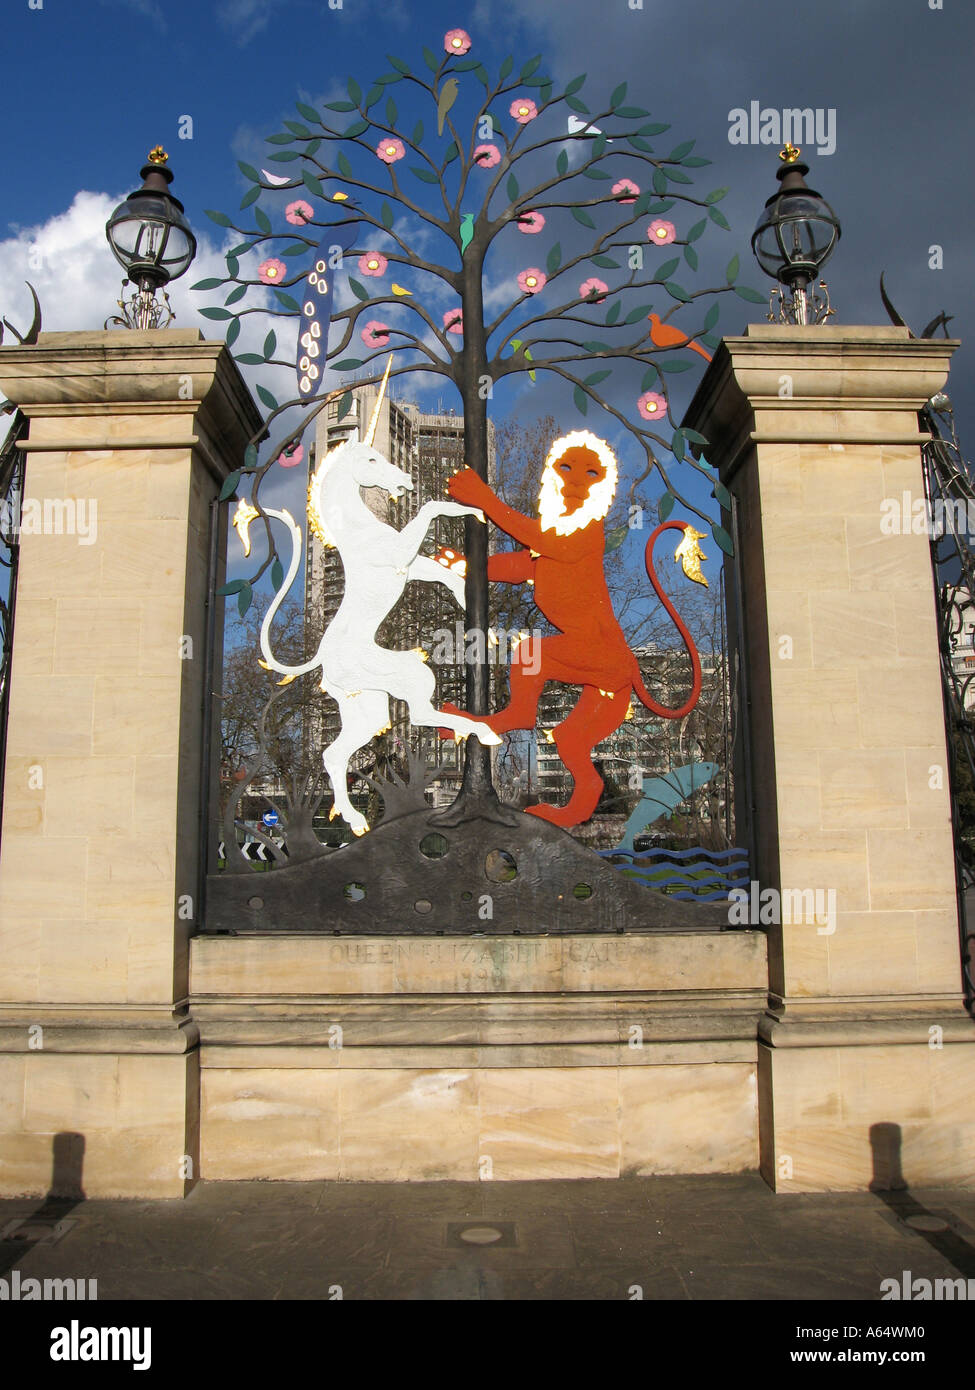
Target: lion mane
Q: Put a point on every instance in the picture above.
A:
(551, 503)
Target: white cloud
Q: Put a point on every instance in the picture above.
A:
(148, 8)
(246, 18)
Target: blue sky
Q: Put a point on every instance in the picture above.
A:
(90, 85)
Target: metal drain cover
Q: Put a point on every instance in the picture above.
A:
(484, 1234)
(926, 1223)
(33, 1232)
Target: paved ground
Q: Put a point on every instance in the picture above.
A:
(677, 1238)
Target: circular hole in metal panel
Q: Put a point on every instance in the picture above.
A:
(582, 891)
(500, 866)
(355, 892)
(434, 845)
(423, 905)
(255, 902)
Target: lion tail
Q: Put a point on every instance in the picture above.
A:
(641, 690)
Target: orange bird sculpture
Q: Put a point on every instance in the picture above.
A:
(666, 336)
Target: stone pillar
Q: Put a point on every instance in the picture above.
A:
(866, 1054)
(131, 436)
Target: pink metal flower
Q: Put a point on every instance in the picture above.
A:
(298, 213)
(661, 233)
(292, 456)
(624, 187)
(390, 150)
(453, 321)
(456, 41)
(652, 405)
(372, 263)
(375, 333)
(594, 289)
(272, 271)
(487, 156)
(523, 109)
(531, 222)
(530, 281)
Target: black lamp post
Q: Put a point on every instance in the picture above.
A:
(793, 240)
(152, 241)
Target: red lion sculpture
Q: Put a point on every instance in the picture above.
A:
(562, 555)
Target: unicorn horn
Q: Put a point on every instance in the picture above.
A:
(374, 421)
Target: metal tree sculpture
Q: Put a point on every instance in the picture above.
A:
(486, 189)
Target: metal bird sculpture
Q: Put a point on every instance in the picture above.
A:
(665, 335)
(400, 291)
(466, 231)
(448, 95)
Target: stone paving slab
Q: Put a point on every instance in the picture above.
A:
(713, 1238)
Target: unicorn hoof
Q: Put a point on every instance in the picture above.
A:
(487, 736)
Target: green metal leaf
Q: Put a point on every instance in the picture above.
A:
(230, 484)
(277, 574)
(398, 64)
(677, 445)
(356, 129)
(244, 599)
(250, 456)
(242, 249)
(614, 312)
(677, 292)
(640, 312)
(249, 359)
(554, 259)
(723, 496)
(697, 229)
(270, 343)
(340, 105)
(695, 162)
(221, 219)
(531, 66)
(597, 377)
(418, 133)
(210, 284)
(354, 90)
(211, 313)
(733, 267)
(595, 174)
(312, 184)
(573, 86)
(709, 340)
(690, 256)
(512, 188)
(577, 104)
(386, 214)
(711, 317)
(263, 221)
(248, 171)
(345, 405)
(233, 265)
(348, 364)
(280, 140)
(596, 347)
(309, 112)
(631, 113)
(638, 143)
(658, 209)
(267, 398)
(287, 302)
(580, 399)
(694, 436)
(659, 181)
(723, 539)
(452, 153)
(358, 289)
(619, 94)
(656, 129)
(392, 111)
(649, 377)
(427, 175)
(345, 168)
(286, 156)
(665, 506)
(232, 333)
(236, 294)
(678, 176)
(562, 164)
(667, 269)
(615, 538)
(605, 262)
(298, 129)
(251, 196)
(372, 96)
(506, 67)
(675, 364)
(679, 151)
(716, 195)
(582, 216)
(233, 586)
(752, 296)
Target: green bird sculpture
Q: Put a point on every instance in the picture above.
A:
(448, 95)
(466, 231)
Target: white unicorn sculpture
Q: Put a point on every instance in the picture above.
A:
(378, 562)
